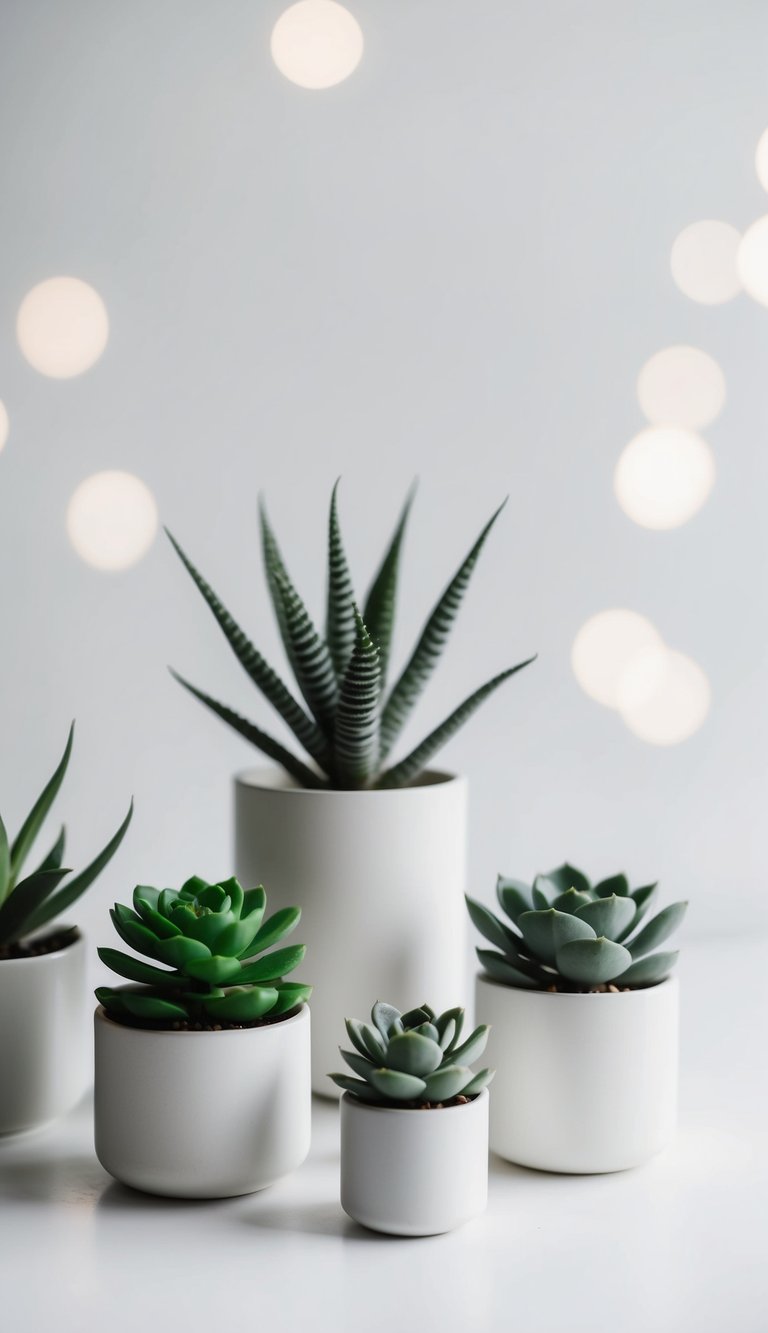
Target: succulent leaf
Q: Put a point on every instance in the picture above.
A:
(489, 925)
(5, 862)
(359, 1063)
(564, 877)
(357, 1087)
(618, 884)
(547, 931)
(135, 969)
(275, 928)
(501, 969)
(538, 896)
(592, 962)
(241, 1004)
(447, 1082)
(658, 929)
(396, 1085)
(480, 1081)
(274, 965)
(289, 995)
(646, 971)
(609, 916)
(449, 1026)
(572, 900)
(514, 897)
(409, 1053)
(386, 1018)
(472, 1048)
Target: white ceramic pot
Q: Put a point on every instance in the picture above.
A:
(202, 1115)
(411, 1172)
(44, 1057)
(584, 1083)
(380, 878)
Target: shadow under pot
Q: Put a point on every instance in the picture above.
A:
(584, 1082)
(43, 1032)
(202, 1115)
(414, 1172)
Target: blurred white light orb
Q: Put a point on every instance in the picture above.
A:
(681, 386)
(664, 476)
(112, 520)
(62, 327)
(604, 648)
(5, 425)
(704, 262)
(753, 260)
(317, 43)
(761, 159)
(664, 697)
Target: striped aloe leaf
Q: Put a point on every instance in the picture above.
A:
(429, 648)
(309, 656)
(340, 629)
(356, 742)
(379, 610)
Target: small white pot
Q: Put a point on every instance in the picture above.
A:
(412, 1172)
(202, 1115)
(44, 1064)
(584, 1083)
(380, 876)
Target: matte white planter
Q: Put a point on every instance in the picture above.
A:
(584, 1083)
(202, 1115)
(44, 1058)
(414, 1173)
(380, 878)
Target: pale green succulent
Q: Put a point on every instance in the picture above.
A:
(412, 1059)
(567, 934)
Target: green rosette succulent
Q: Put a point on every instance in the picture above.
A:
(413, 1059)
(213, 941)
(567, 934)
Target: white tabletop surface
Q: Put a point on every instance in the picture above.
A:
(677, 1246)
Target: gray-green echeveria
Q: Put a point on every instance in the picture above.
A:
(565, 933)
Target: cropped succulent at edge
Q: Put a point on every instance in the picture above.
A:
(28, 904)
(412, 1059)
(209, 936)
(349, 721)
(568, 934)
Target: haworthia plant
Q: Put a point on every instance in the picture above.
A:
(347, 719)
(566, 934)
(413, 1059)
(27, 903)
(212, 942)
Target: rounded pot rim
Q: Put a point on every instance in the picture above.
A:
(52, 956)
(275, 781)
(351, 1100)
(101, 1016)
(626, 995)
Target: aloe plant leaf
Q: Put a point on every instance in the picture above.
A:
(274, 565)
(357, 1087)
(267, 744)
(135, 969)
(608, 916)
(618, 884)
(257, 668)
(271, 966)
(411, 1054)
(356, 737)
(359, 1064)
(20, 906)
(500, 969)
(53, 859)
(241, 1004)
(309, 657)
(592, 962)
(472, 1048)
(658, 929)
(380, 603)
(547, 931)
(340, 632)
(386, 1019)
(643, 899)
(564, 877)
(5, 862)
(289, 995)
(647, 971)
(480, 1081)
(514, 897)
(275, 928)
(69, 893)
(396, 1085)
(409, 768)
(489, 925)
(34, 820)
(430, 645)
(446, 1083)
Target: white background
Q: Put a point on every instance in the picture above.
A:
(454, 264)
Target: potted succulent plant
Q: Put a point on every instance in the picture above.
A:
(369, 843)
(402, 1172)
(202, 1065)
(585, 1020)
(43, 998)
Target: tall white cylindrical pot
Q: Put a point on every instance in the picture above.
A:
(44, 1057)
(380, 878)
(202, 1115)
(584, 1083)
(414, 1172)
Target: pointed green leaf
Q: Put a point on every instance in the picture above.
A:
(241, 1004)
(547, 931)
(647, 971)
(387, 1019)
(309, 657)
(411, 1054)
(643, 899)
(409, 768)
(449, 1027)
(275, 928)
(180, 951)
(659, 928)
(379, 610)
(572, 900)
(290, 994)
(538, 896)
(134, 969)
(356, 1035)
(54, 858)
(358, 1089)
(430, 645)
(618, 884)
(514, 896)
(34, 820)
(608, 916)
(489, 925)
(254, 900)
(216, 970)
(501, 970)
(20, 906)
(150, 1008)
(356, 738)
(69, 893)
(446, 1083)
(592, 962)
(359, 1064)
(397, 1086)
(479, 1082)
(340, 609)
(271, 966)
(5, 862)
(267, 744)
(472, 1048)
(565, 877)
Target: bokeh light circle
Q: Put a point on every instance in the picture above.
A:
(664, 476)
(664, 696)
(62, 327)
(604, 648)
(317, 43)
(753, 260)
(761, 159)
(5, 425)
(681, 386)
(704, 262)
(112, 520)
